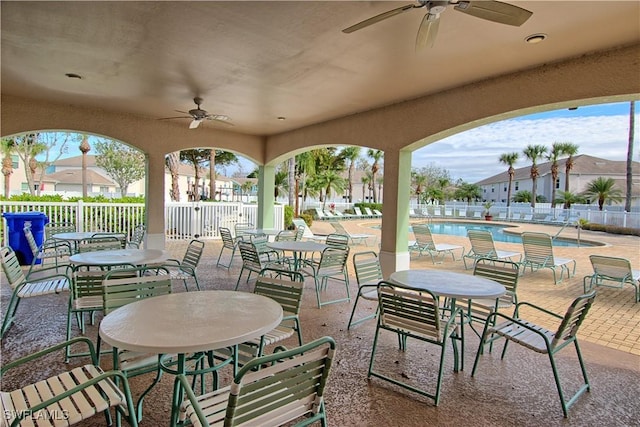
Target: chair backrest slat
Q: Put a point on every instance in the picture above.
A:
(538, 248)
(504, 272)
(404, 311)
(11, 267)
(334, 257)
(482, 243)
(284, 391)
(611, 268)
(367, 266)
(118, 291)
(249, 255)
(337, 241)
(100, 243)
(423, 236)
(286, 291)
(193, 253)
(573, 319)
(227, 238)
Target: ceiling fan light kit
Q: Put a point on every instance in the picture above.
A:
(198, 115)
(495, 11)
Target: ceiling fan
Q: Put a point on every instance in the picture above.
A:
(199, 115)
(503, 13)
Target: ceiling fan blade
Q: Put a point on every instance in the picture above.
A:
(220, 118)
(194, 124)
(428, 31)
(503, 13)
(176, 117)
(378, 18)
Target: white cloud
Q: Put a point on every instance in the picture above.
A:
(473, 155)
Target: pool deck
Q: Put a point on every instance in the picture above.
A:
(518, 390)
(614, 320)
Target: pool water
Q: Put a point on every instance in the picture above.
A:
(497, 231)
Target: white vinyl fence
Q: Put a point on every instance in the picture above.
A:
(182, 220)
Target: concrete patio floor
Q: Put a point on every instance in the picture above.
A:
(518, 390)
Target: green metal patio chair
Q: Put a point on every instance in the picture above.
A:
(122, 287)
(538, 253)
(613, 272)
(101, 242)
(286, 288)
(67, 398)
(187, 268)
(137, 238)
(332, 265)
(542, 340)
(251, 260)
(368, 274)
(417, 315)
(290, 388)
(49, 249)
(504, 272)
(34, 284)
(228, 243)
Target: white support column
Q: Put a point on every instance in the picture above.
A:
(154, 200)
(394, 253)
(266, 188)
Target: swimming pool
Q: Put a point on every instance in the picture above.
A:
(497, 231)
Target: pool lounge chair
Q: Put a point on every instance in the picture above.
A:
(448, 212)
(308, 234)
(354, 239)
(424, 243)
(462, 213)
(612, 272)
(538, 253)
(483, 246)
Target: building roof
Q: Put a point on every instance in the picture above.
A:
(583, 165)
(74, 176)
(76, 161)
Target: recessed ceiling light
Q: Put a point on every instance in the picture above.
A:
(73, 76)
(282, 118)
(535, 38)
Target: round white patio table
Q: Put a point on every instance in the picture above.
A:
(449, 284)
(74, 236)
(121, 256)
(297, 247)
(265, 231)
(190, 322)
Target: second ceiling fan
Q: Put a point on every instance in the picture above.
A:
(503, 13)
(198, 115)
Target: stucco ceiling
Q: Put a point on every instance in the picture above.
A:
(257, 61)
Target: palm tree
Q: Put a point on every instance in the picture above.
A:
(291, 181)
(7, 164)
(376, 155)
(84, 149)
(212, 174)
(351, 154)
(554, 154)
(533, 153)
(281, 183)
(603, 189)
(172, 160)
(419, 182)
(509, 159)
(568, 149)
(304, 165)
(632, 125)
(568, 198)
(330, 180)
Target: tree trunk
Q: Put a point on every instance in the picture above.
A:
(292, 182)
(173, 162)
(7, 170)
(212, 174)
(632, 120)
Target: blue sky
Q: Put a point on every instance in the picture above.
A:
(598, 130)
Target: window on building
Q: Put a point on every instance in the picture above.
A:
(557, 183)
(517, 185)
(24, 187)
(493, 189)
(505, 188)
(15, 161)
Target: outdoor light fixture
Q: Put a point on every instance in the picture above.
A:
(282, 118)
(535, 38)
(73, 76)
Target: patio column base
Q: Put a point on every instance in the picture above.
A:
(393, 261)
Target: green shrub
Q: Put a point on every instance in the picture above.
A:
(288, 217)
(308, 219)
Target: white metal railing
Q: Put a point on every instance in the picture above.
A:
(182, 220)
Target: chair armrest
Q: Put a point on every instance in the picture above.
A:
(34, 275)
(191, 397)
(38, 354)
(171, 262)
(536, 307)
(519, 322)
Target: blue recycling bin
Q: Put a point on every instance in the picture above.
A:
(17, 239)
